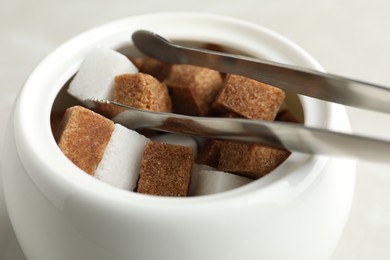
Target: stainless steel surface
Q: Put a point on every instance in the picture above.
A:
(291, 136)
(300, 80)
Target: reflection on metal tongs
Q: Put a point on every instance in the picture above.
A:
(299, 80)
(291, 136)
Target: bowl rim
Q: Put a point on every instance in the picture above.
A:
(57, 178)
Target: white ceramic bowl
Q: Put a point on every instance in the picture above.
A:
(58, 212)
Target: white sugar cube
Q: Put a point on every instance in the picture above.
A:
(121, 160)
(196, 168)
(210, 182)
(176, 139)
(95, 78)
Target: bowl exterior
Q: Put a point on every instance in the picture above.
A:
(291, 214)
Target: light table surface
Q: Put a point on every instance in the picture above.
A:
(348, 37)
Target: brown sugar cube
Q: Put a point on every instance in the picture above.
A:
(193, 89)
(142, 91)
(55, 122)
(165, 169)
(209, 153)
(213, 47)
(105, 110)
(250, 160)
(249, 98)
(83, 137)
(286, 116)
(137, 61)
(156, 68)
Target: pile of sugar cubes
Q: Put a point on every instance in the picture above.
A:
(150, 162)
